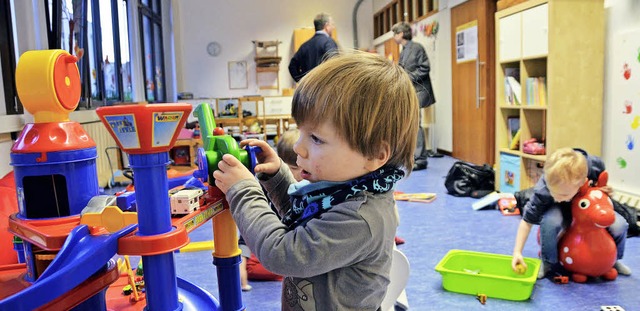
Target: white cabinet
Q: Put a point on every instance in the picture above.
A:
(535, 31)
(524, 34)
(510, 45)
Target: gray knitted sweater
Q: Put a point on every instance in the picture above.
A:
(339, 261)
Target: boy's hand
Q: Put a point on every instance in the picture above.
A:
(517, 264)
(230, 171)
(269, 162)
(607, 189)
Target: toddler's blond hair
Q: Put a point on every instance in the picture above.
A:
(565, 166)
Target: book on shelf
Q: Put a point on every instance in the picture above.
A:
(513, 126)
(515, 141)
(515, 88)
(542, 89)
(512, 72)
(509, 92)
(536, 91)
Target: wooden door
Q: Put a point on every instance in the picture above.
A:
(473, 80)
(392, 50)
(302, 35)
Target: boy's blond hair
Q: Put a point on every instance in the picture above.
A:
(565, 166)
(368, 99)
(285, 146)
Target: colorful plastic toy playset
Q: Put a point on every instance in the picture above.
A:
(68, 251)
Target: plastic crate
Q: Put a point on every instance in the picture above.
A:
(478, 273)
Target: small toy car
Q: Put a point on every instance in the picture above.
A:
(482, 298)
(561, 279)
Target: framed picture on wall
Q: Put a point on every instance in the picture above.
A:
(238, 75)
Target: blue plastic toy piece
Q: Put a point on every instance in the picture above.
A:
(252, 151)
(81, 256)
(127, 201)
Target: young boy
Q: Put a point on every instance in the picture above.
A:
(357, 114)
(565, 171)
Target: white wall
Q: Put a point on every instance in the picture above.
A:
(438, 49)
(622, 45)
(234, 24)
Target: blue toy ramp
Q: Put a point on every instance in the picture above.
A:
(81, 256)
(195, 298)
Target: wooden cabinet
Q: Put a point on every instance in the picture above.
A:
(231, 115)
(554, 50)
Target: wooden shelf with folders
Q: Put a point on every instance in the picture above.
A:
(549, 84)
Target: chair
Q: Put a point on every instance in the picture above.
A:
(399, 276)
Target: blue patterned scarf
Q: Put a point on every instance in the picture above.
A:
(309, 200)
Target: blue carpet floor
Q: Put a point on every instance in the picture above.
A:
(430, 231)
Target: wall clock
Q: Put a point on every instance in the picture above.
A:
(214, 48)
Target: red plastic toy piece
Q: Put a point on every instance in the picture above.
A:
(561, 279)
(218, 131)
(482, 298)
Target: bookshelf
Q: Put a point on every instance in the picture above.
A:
(554, 50)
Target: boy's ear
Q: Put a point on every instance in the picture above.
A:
(380, 158)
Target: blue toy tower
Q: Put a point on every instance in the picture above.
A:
(54, 159)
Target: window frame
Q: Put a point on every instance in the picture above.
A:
(54, 38)
(152, 11)
(8, 60)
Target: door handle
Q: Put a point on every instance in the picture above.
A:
(478, 98)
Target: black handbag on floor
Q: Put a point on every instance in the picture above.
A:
(464, 178)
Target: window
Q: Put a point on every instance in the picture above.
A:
(152, 51)
(97, 32)
(7, 60)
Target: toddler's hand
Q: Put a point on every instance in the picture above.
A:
(230, 171)
(607, 189)
(518, 265)
(268, 160)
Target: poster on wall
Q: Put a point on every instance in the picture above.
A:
(623, 117)
(238, 75)
(467, 42)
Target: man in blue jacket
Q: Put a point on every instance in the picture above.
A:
(312, 52)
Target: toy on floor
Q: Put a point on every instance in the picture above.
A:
(414, 197)
(490, 200)
(587, 249)
(508, 206)
(482, 298)
(561, 279)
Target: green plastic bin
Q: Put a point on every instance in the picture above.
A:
(477, 273)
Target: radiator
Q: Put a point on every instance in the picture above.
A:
(104, 143)
(627, 198)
